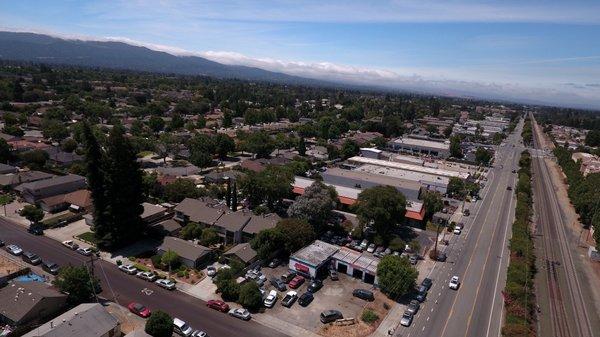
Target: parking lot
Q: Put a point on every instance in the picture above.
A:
(333, 295)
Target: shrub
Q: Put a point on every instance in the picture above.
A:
(250, 296)
(369, 316)
(119, 262)
(160, 324)
(156, 261)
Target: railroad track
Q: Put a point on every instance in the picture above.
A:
(559, 260)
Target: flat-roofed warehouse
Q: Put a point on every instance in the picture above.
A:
(409, 167)
(420, 147)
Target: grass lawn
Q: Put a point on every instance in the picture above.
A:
(88, 237)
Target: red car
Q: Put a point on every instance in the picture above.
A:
(296, 282)
(139, 309)
(218, 305)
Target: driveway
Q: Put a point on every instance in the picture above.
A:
(69, 232)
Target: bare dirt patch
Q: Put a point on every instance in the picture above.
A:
(380, 306)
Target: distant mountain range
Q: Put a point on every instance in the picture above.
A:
(118, 55)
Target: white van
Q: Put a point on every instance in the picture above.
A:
(181, 327)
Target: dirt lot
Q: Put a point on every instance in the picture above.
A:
(334, 295)
(8, 266)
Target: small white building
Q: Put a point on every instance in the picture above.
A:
(358, 265)
(313, 260)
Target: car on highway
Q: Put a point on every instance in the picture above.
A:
(454, 283)
(164, 283)
(427, 283)
(406, 319)
(147, 275)
(333, 275)
(314, 286)
(278, 284)
(421, 294)
(211, 271)
(14, 250)
(218, 305)
(296, 282)
(70, 244)
(289, 299)
(31, 258)
(50, 267)
(329, 316)
(87, 251)
(270, 300)
(305, 299)
(240, 313)
(363, 294)
(139, 309)
(128, 269)
(413, 307)
(182, 328)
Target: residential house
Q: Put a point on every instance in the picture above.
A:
(62, 158)
(5, 169)
(230, 225)
(38, 190)
(222, 177)
(23, 304)
(200, 211)
(87, 319)
(258, 223)
(191, 254)
(12, 180)
(166, 227)
(153, 213)
(243, 252)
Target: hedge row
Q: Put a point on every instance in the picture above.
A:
(519, 297)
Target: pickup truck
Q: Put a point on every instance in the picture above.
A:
(289, 299)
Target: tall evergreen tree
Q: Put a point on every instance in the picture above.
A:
(228, 195)
(301, 147)
(234, 197)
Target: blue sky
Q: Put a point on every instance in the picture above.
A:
(547, 51)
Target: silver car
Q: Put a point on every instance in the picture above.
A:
(406, 319)
(167, 284)
(14, 250)
(240, 313)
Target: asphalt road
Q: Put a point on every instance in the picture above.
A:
(479, 256)
(123, 289)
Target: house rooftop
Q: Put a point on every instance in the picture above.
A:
(234, 221)
(87, 319)
(186, 249)
(18, 298)
(200, 211)
(243, 251)
(261, 222)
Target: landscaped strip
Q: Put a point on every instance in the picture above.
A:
(519, 297)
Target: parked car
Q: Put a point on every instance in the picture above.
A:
(413, 307)
(296, 282)
(289, 299)
(413, 259)
(199, 333)
(31, 258)
(364, 244)
(128, 268)
(181, 328)
(270, 300)
(240, 313)
(167, 284)
(314, 286)
(509, 188)
(457, 231)
(2, 243)
(14, 250)
(363, 294)
(50, 267)
(287, 277)
(147, 275)
(421, 294)
(427, 283)
(218, 305)
(35, 230)
(441, 256)
(305, 299)
(333, 275)
(139, 309)
(406, 319)
(454, 283)
(466, 212)
(211, 271)
(278, 284)
(371, 248)
(460, 226)
(84, 251)
(70, 244)
(329, 316)
(274, 263)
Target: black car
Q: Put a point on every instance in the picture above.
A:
(421, 294)
(278, 284)
(305, 299)
(31, 258)
(427, 282)
(363, 294)
(50, 267)
(314, 286)
(2, 243)
(36, 230)
(466, 212)
(329, 316)
(274, 263)
(441, 257)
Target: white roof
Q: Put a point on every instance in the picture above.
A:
(423, 142)
(371, 149)
(342, 191)
(409, 167)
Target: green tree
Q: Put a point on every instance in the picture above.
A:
(170, 260)
(483, 156)
(250, 296)
(267, 242)
(456, 187)
(432, 202)
(54, 129)
(227, 120)
(191, 231)
(78, 283)
(69, 145)
(5, 151)
(269, 186)
(156, 123)
(226, 285)
(315, 205)
(455, 149)
(448, 131)
(224, 144)
(177, 122)
(301, 147)
(180, 189)
(259, 143)
(349, 149)
(297, 233)
(35, 159)
(396, 276)
(209, 237)
(32, 213)
(159, 324)
(6, 199)
(383, 207)
(593, 138)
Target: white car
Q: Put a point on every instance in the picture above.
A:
(406, 319)
(271, 299)
(181, 327)
(211, 271)
(371, 248)
(454, 283)
(240, 313)
(84, 251)
(147, 275)
(457, 230)
(70, 244)
(14, 250)
(128, 268)
(167, 284)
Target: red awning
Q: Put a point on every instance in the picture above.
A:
(416, 215)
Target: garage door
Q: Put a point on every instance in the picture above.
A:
(369, 278)
(342, 268)
(357, 273)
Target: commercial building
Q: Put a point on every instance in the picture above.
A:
(358, 265)
(420, 147)
(313, 260)
(409, 167)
